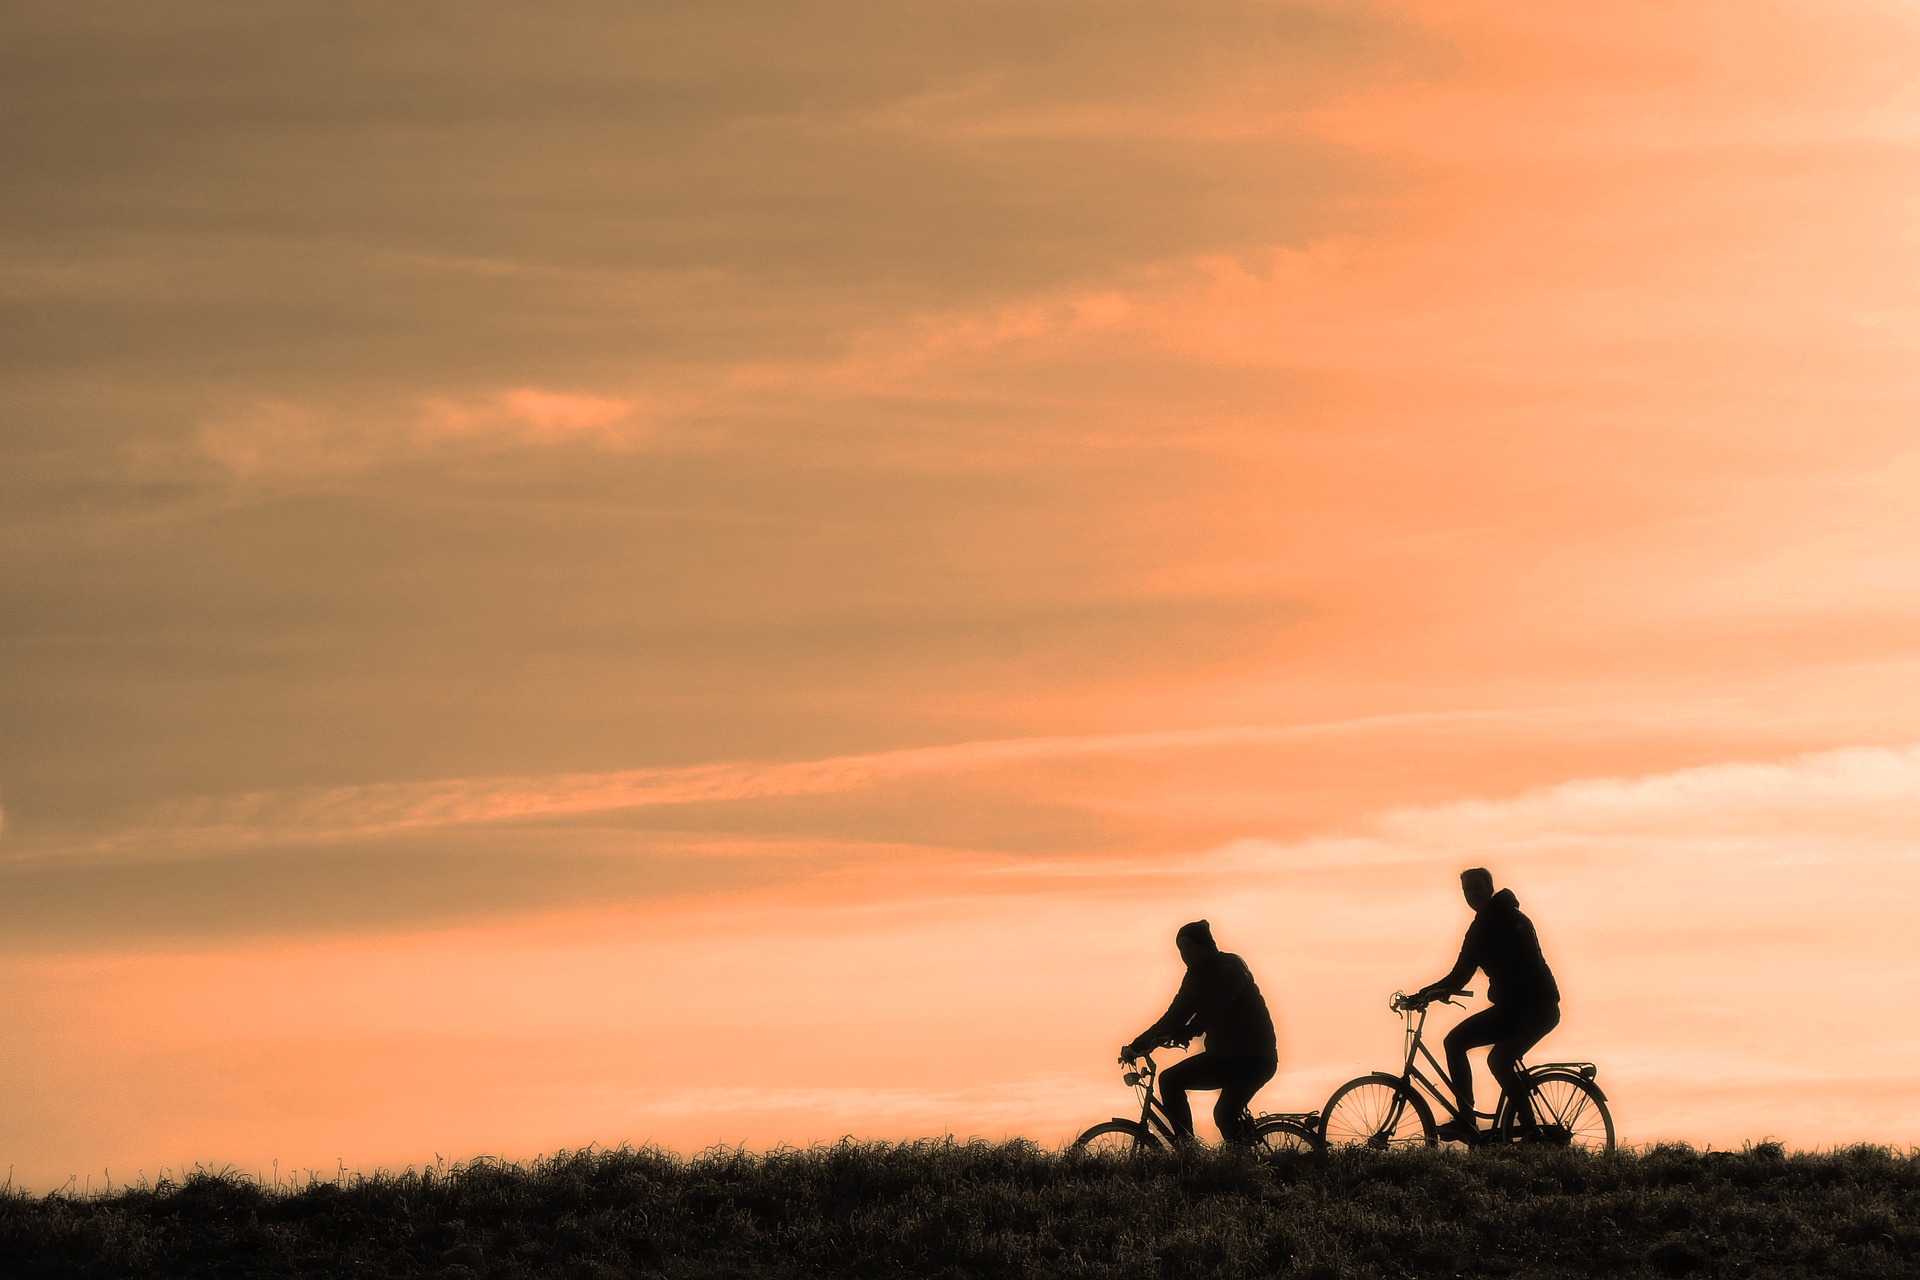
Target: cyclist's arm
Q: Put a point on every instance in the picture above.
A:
(1462, 970)
(1172, 1024)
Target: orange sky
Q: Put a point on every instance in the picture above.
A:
(727, 576)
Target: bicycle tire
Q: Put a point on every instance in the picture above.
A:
(1271, 1137)
(1116, 1137)
(1569, 1111)
(1380, 1112)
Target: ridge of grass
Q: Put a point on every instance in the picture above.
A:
(948, 1208)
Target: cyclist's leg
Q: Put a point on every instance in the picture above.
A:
(1528, 1027)
(1485, 1027)
(1239, 1084)
(1201, 1071)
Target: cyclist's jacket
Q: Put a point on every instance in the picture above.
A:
(1502, 942)
(1220, 1000)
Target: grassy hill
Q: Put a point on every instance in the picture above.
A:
(961, 1209)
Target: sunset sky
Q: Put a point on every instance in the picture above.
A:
(730, 572)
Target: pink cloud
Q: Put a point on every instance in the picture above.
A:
(282, 440)
(530, 415)
(344, 813)
(553, 415)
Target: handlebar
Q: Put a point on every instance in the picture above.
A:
(1141, 1068)
(1176, 1042)
(1401, 1002)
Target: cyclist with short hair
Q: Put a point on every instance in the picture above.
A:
(1524, 997)
(1218, 999)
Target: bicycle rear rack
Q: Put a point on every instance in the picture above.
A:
(1586, 1069)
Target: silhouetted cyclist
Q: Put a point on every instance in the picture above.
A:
(1218, 999)
(1524, 997)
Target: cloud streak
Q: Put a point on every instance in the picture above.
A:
(1860, 794)
(1847, 806)
(284, 440)
(337, 814)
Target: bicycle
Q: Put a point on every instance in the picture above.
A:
(1271, 1131)
(1564, 1105)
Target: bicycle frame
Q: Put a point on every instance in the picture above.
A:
(1155, 1120)
(1153, 1117)
(1411, 1074)
(1370, 1110)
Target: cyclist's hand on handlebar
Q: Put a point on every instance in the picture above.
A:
(1427, 995)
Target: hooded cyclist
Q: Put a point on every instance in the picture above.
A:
(1218, 999)
(1525, 999)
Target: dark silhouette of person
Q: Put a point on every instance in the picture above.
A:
(1524, 998)
(1220, 1000)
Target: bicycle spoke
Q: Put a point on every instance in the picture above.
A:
(1569, 1118)
(1566, 1112)
(1374, 1113)
(1116, 1137)
(1281, 1135)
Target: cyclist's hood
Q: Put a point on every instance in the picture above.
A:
(1503, 901)
(1198, 935)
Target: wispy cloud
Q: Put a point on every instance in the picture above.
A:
(289, 440)
(310, 815)
(1869, 793)
(529, 415)
(1863, 788)
(1840, 804)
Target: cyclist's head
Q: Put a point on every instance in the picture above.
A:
(1195, 940)
(1477, 884)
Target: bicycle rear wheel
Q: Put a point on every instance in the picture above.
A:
(1568, 1111)
(1272, 1136)
(1378, 1112)
(1116, 1137)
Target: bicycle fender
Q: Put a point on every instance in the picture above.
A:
(1589, 1081)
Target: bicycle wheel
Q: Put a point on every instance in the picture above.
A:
(1568, 1111)
(1116, 1136)
(1377, 1112)
(1271, 1136)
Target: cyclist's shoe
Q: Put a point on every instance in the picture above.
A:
(1459, 1131)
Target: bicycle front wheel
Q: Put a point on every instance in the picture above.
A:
(1271, 1136)
(1378, 1112)
(1568, 1111)
(1116, 1137)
